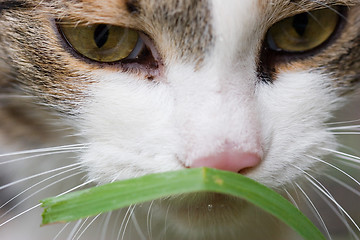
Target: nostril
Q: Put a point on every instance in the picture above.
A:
(230, 160)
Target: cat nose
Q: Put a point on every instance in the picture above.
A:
(229, 160)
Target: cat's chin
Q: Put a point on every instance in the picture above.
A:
(212, 216)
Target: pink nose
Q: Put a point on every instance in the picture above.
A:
(229, 160)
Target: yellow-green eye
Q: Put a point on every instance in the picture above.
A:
(101, 42)
(304, 31)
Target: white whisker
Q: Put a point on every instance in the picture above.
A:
(346, 133)
(87, 227)
(36, 192)
(105, 226)
(348, 187)
(137, 227)
(7, 96)
(49, 149)
(37, 175)
(340, 170)
(38, 183)
(335, 202)
(336, 210)
(291, 198)
(331, 8)
(356, 127)
(116, 221)
(355, 158)
(74, 230)
(166, 217)
(20, 214)
(148, 220)
(317, 214)
(77, 187)
(80, 227)
(348, 163)
(41, 155)
(28, 210)
(308, 175)
(61, 230)
(125, 221)
(343, 122)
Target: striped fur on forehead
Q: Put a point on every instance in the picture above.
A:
(188, 23)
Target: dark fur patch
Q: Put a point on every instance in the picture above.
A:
(133, 6)
(11, 4)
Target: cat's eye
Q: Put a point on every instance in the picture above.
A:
(103, 43)
(304, 31)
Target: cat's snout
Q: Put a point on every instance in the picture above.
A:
(230, 159)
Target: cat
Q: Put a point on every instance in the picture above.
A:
(98, 91)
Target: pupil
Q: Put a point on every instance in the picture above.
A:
(101, 35)
(300, 23)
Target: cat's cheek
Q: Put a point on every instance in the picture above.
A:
(294, 112)
(128, 123)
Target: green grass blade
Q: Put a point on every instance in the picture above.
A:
(121, 194)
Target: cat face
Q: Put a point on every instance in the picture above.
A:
(201, 78)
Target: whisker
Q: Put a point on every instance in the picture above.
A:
(346, 133)
(344, 122)
(291, 198)
(29, 209)
(20, 214)
(77, 187)
(148, 220)
(7, 96)
(116, 221)
(356, 127)
(79, 228)
(36, 192)
(75, 228)
(310, 14)
(331, 8)
(41, 150)
(354, 158)
(318, 215)
(38, 183)
(61, 230)
(348, 163)
(338, 169)
(137, 227)
(87, 227)
(40, 155)
(341, 183)
(106, 224)
(319, 184)
(339, 213)
(335, 202)
(37, 175)
(166, 217)
(125, 221)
